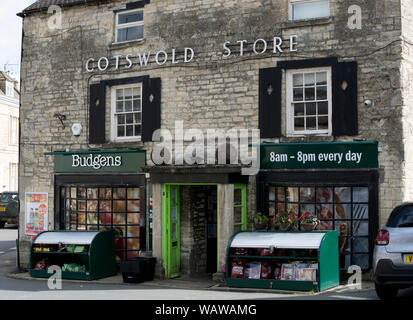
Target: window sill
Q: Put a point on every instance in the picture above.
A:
(307, 23)
(122, 145)
(307, 138)
(126, 44)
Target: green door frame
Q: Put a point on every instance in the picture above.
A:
(166, 245)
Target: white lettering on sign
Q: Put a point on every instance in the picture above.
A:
(187, 55)
(354, 157)
(306, 157)
(277, 157)
(96, 162)
(332, 157)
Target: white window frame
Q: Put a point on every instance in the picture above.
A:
(128, 25)
(9, 89)
(291, 11)
(13, 186)
(14, 131)
(113, 118)
(289, 103)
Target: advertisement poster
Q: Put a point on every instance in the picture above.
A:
(36, 213)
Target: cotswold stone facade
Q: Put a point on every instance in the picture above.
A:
(214, 89)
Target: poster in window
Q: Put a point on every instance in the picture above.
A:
(36, 213)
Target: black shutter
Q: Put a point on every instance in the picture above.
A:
(97, 106)
(151, 108)
(345, 100)
(270, 102)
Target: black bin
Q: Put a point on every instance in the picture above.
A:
(138, 270)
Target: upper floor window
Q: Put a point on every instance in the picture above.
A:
(9, 89)
(129, 25)
(13, 130)
(309, 101)
(127, 112)
(309, 9)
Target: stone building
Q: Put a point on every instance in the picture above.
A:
(9, 132)
(326, 82)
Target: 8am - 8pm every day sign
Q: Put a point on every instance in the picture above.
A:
(340, 155)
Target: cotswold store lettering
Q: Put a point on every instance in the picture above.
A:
(161, 57)
(96, 162)
(319, 155)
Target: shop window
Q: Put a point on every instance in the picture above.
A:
(126, 112)
(309, 9)
(107, 208)
(129, 25)
(345, 209)
(309, 102)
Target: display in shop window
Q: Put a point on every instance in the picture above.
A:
(36, 213)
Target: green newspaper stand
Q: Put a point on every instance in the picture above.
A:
(299, 261)
(81, 255)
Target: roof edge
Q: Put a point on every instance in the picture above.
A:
(25, 12)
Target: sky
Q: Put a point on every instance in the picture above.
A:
(10, 34)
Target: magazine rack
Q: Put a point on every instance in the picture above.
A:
(81, 255)
(300, 261)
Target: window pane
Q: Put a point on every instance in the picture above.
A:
(360, 228)
(311, 123)
(128, 105)
(299, 124)
(321, 93)
(361, 260)
(136, 105)
(361, 194)
(299, 109)
(119, 94)
(309, 10)
(361, 245)
(133, 193)
(360, 211)
(311, 109)
(321, 78)
(309, 94)
(130, 17)
(129, 131)
(128, 34)
(133, 205)
(237, 215)
(323, 123)
(298, 80)
(298, 94)
(324, 195)
(237, 197)
(325, 211)
(309, 79)
(138, 130)
(129, 118)
(307, 194)
(121, 119)
(121, 131)
(323, 108)
(271, 194)
(105, 193)
(138, 117)
(119, 106)
(292, 194)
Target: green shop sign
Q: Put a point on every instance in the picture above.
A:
(340, 155)
(99, 161)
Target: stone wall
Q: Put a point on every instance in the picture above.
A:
(212, 91)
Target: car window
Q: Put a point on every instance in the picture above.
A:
(5, 197)
(403, 219)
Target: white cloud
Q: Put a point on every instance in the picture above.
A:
(10, 33)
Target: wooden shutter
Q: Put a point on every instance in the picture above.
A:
(345, 100)
(151, 108)
(97, 111)
(270, 102)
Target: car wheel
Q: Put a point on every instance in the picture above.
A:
(2, 223)
(386, 292)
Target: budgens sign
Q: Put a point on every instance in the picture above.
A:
(99, 161)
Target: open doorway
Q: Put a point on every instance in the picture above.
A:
(190, 230)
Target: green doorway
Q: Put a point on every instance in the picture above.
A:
(190, 227)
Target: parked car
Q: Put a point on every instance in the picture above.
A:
(393, 253)
(9, 208)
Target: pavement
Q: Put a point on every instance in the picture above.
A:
(20, 286)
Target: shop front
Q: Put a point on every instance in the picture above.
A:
(103, 190)
(335, 182)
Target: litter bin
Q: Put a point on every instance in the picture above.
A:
(138, 270)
